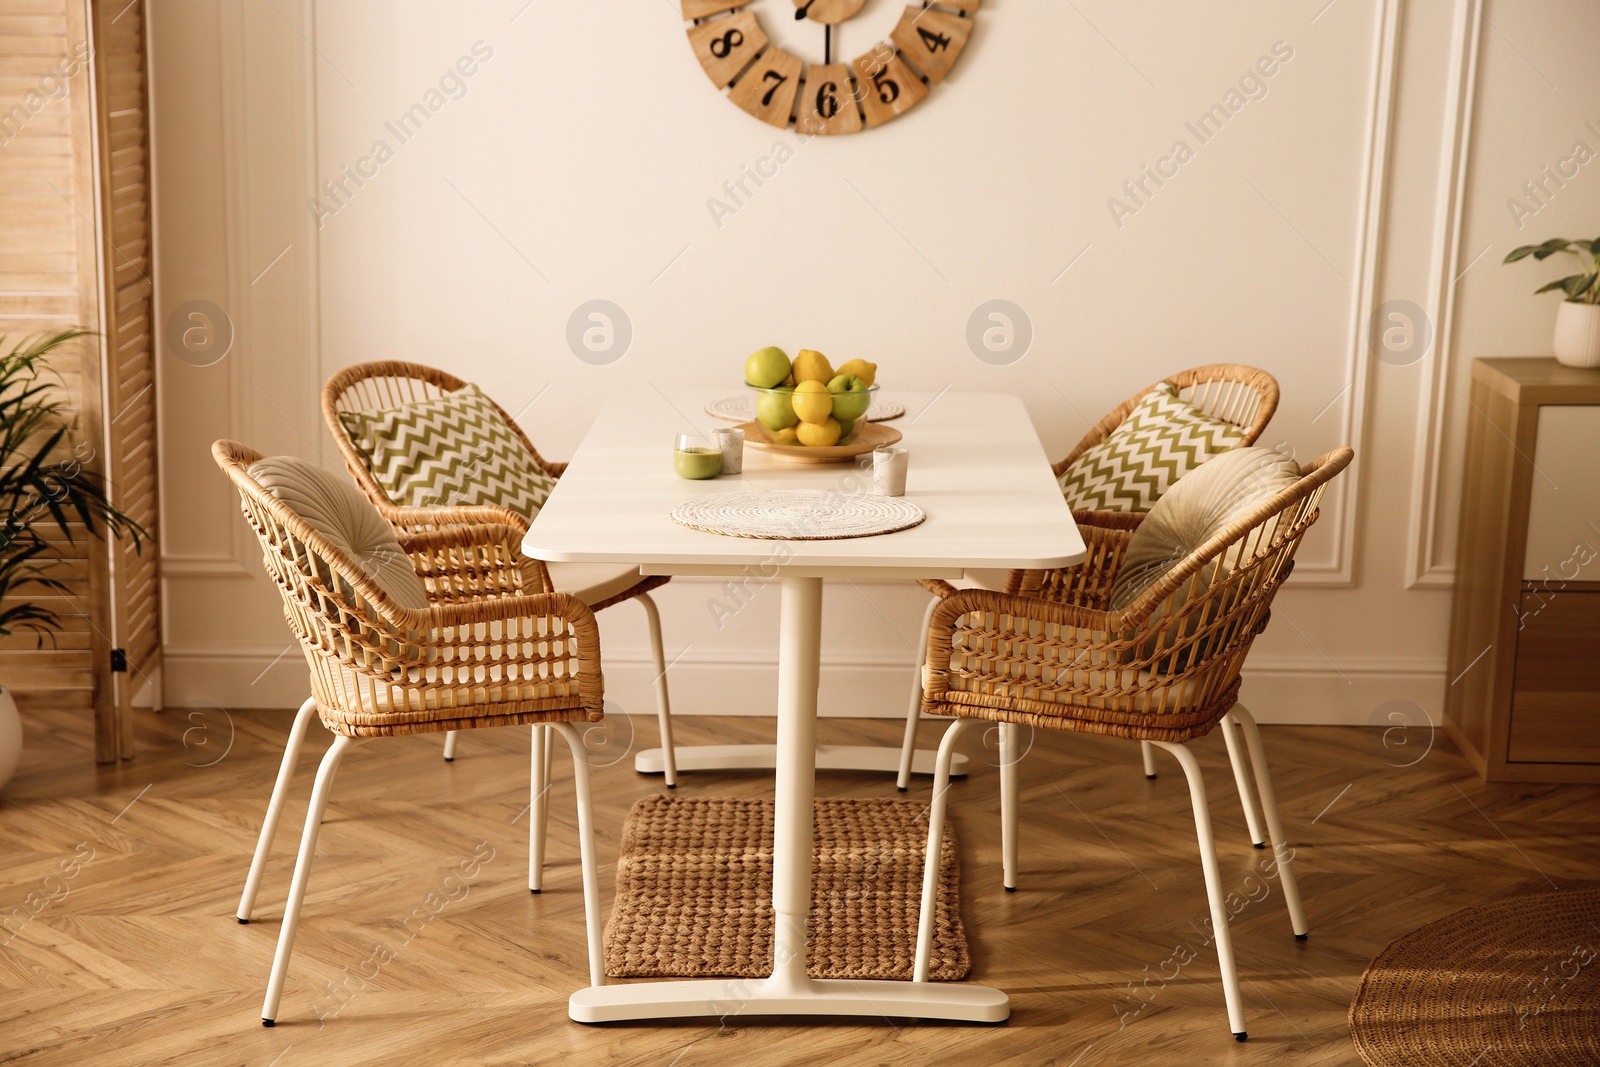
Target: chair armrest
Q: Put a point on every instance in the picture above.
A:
(470, 562)
(1106, 535)
(417, 520)
(985, 640)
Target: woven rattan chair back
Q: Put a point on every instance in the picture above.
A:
(1166, 667)
(1232, 392)
(477, 657)
(388, 384)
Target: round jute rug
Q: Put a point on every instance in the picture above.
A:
(1515, 982)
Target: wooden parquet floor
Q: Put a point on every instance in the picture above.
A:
(421, 945)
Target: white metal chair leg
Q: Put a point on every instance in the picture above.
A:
(669, 763)
(302, 873)
(269, 825)
(1247, 796)
(450, 746)
(1281, 852)
(1010, 756)
(908, 747)
(591, 877)
(538, 805)
(1208, 863)
(930, 867)
(1148, 751)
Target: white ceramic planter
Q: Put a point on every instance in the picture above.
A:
(10, 737)
(1578, 334)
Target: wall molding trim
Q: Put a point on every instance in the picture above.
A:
(1338, 570)
(1423, 567)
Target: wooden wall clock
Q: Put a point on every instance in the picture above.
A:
(782, 89)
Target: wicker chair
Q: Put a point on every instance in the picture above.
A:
(480, 654)
(1232, 392)
(1164, 669)
(375, 386)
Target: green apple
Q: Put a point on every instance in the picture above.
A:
(839, 383)
(846, 428)
(851, 402)
(775, 409)
(767, 367)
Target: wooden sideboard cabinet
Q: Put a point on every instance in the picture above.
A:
(1523, 702)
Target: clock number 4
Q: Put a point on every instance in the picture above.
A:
(777, 81)
(933, 41)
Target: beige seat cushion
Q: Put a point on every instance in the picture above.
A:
(593, 582)
(334, 508)
(983, 578)
(1198, 506)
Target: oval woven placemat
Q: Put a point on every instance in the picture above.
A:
(797, 515)
(739, 409)
(1517, 981)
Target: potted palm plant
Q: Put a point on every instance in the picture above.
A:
(44, 487)
(1577, 340)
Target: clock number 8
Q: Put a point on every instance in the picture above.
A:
(722, 46)
(777, 82)
(888, 91)
(827, 101)
(934, 41)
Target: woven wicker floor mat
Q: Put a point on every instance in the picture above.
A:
(694, 891)
(1514, 982)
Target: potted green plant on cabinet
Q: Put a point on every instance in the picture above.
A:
(1577, 338)
(44, 487)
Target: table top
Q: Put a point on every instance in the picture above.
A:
(976, 467)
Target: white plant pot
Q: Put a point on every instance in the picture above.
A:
(1578, 334)
(10, 737)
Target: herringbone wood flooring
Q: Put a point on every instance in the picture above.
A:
(421, 945)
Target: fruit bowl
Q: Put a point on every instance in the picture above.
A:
(778, 414)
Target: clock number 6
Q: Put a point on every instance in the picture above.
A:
(722, 46)
(888, 91)
(827, 102)
(777, 81)
(934, 41)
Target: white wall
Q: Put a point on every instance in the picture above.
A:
(579, 162)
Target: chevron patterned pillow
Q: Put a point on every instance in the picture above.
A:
(454, 450)
(1162, 438)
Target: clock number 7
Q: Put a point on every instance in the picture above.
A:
(934, 41)
(888, 91)
(777, 81)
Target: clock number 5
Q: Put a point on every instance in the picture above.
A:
(722, 46)
(827, 100)
(934, 41)
(888, 90)
(777, 81)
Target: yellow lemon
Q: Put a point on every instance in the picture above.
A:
(811, 366)
(812, 401)
(785, 436)
(867, 372)
(818, 434)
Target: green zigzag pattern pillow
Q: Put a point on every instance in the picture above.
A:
(1162, 439)
(452, 450)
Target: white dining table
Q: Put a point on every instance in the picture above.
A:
(979, 472)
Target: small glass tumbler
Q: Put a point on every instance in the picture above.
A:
(889, 471)
(730, 439)
(695, 457)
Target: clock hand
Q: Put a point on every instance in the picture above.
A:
(800, 13)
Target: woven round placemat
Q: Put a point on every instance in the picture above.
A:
(1517, 981)
(798, 515)
(739, 409)
(694, 891)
